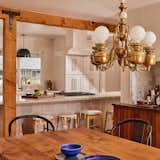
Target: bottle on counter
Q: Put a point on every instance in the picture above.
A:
(148, 97)
(157, 99)
(49, 85)
(157, 89)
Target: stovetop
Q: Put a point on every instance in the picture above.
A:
(76, 93)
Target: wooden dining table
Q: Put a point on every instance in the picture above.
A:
(44, 146)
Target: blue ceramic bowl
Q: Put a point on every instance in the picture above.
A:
(71, 149)
(100, 157)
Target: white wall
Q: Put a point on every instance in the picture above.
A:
(53, 51)
(1, 41)
(77, 42)
(132, 91)
(149, 18)
(1, 34)
(59, 50)
(44, 47)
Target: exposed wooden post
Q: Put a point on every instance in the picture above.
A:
(9, 74)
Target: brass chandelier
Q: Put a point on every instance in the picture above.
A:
(133, 49)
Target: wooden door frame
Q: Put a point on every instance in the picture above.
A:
(9, 73)
(9, 54)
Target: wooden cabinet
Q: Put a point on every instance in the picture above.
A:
(122, 112)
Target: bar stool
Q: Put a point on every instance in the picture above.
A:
(108, 120)
(91, 117)
(40, 125)
(66, 121)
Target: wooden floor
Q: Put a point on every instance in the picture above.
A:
(44, 146)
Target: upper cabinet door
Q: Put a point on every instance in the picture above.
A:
(72, 84)
(74, 65)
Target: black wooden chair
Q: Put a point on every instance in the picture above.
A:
(28, 124)
(141, 131)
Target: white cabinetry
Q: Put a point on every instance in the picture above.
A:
(74, 65)
(72, 83)
(81, 75)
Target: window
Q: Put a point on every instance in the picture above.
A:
(28, 71)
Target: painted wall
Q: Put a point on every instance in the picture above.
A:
(140, 82)
(53, 50)
(156, 73)
(147, 17)
(59, 50)
(78, 42)
(43, 46)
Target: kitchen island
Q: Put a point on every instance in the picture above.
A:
(149, 113)
(50, 106)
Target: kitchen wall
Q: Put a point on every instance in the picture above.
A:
(147, 17)
(140, 82)
(58, 70)
(113, 75)
(78, 42)
(53, 50)
(144, 81)
(156, 73)
(43, 46)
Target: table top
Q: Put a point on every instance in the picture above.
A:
(44, 146)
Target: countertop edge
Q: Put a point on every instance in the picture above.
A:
(64, 99)
(137, 106)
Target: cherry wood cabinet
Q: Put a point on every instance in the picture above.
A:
(149, 113)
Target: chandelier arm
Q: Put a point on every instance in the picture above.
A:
(142, 69)
(106, 66)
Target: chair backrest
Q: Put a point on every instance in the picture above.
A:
(28, 124)
(140, 130)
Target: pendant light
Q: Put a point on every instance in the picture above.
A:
(23, 52)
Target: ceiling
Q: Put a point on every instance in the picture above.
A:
(39, 29)
(43, 30)
(96, 10)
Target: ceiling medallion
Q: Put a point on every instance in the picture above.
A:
(133, 49)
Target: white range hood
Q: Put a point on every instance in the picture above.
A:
(78, 42)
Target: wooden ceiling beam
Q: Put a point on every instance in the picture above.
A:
(40, 18)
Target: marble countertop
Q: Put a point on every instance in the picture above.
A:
(61, 99)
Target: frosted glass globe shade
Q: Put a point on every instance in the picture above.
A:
(101, 34)
(137, 34)
(150, 38)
